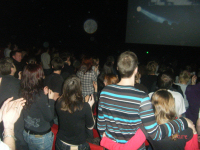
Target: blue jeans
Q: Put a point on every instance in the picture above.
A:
(39, 142)
(62, 146)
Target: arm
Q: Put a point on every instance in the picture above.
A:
(133, 144)
(11, 112)
(89, 116)
(91, 103)
(101, 124)
(155, 131)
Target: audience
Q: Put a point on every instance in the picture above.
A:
(7, 50)
(124, 108)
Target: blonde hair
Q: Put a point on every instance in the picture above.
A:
(184, 77)
(164, 106)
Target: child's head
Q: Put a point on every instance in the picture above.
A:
(164, 106)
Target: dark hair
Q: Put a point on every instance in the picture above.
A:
(65, 56)
(57, 63)
(165, 80)
(31, 82)
(71, 99)
(13, 53)
(5, 66)
(110, 59)
(31, 60)
(127, 63)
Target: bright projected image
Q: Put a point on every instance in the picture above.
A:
(164, 22)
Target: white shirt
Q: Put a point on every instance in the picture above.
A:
(45, 59)
(183, 88)
(179, 102)
(3, 146)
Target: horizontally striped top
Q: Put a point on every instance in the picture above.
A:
(123, 109)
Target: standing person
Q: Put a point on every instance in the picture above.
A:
(46, 59)
(87, 76)
(148, 80)
(165, 81)
(7, 50)
(55, 81)
(74, 116)
(17, 60)
(123, 109)
(39, 108)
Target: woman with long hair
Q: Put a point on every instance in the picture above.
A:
(39, 108)
(74, 116)
(164, 109)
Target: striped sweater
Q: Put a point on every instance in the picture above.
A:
(123, 109)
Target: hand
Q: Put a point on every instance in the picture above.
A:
(3, 106)
(91, 100)
(104, 134)
(95, 86)
(46, 90)
(12, 111)
(20, 75)
(194, 79)
(190, 123)
(87, 98)
(50, 94)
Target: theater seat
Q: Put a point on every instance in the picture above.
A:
(54, 129)
(95, 133)
(95, 147)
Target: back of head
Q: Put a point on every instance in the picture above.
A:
(110, 79)
(110, 59)
(151, 67)
(31, 82)
(72, 99)
(164, 106)
(127, 63)
(5, 66)
(57, 63)
(184, 77)
(165, 81)
(87, 62)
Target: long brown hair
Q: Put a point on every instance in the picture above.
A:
(164, 106)
(71, 99)
(31, 82)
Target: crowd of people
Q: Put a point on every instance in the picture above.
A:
(126, 103)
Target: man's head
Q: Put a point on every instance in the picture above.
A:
(17, 55)
(165, 81)
(7, 67)
(57, 63)
(127, 64)
(151, 67)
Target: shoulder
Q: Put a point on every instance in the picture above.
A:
(123, 91)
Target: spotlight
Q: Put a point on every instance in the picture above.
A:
(90, 26)
(139, 8)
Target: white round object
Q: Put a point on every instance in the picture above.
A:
(90, 26)
(139, 8)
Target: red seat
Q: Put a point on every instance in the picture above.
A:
(54, 129)
(95, 133)
(95, 147)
